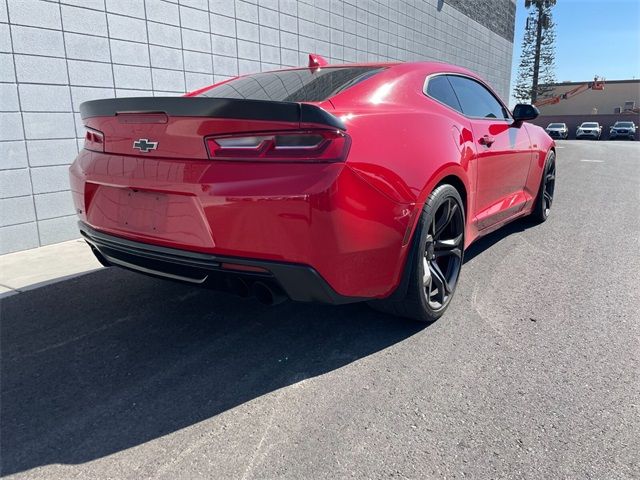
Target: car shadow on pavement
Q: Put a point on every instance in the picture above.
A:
(484, 243)
(111, 359)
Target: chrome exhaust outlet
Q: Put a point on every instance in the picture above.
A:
(266, 294)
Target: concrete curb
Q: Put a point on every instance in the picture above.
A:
(29, 269)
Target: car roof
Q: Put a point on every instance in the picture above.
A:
(425, 68)
(432, 66)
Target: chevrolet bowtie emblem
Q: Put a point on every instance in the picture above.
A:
(144, 145)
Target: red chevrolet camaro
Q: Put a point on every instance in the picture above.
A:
(335, 184)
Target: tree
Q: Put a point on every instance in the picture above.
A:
(537, 60)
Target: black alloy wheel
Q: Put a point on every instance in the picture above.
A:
(443, 254)
(549, 185)
(544, 201)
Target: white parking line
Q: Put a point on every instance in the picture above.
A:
(592, 161)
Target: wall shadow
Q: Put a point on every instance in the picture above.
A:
(112, 359)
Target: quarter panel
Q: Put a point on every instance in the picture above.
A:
(405, 153)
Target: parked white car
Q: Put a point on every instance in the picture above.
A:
(589, 130)
(558, 130)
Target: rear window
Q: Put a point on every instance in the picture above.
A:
(303, 85)
(476, 101)
(440, 89)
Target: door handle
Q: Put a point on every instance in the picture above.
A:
(487, 140)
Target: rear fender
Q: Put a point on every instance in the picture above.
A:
(447, 171)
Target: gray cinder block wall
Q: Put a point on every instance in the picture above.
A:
(56, 54)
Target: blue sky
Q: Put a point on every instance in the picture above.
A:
(593, 37)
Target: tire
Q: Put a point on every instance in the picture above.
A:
(544, 199)
(433, 266)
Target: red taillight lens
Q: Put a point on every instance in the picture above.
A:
(94, 140)
(294, 146)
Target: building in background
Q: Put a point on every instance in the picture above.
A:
(55, 55)
(615, 97)
(576, 102)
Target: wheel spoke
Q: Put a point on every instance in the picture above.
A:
(444, 248)
(440, 280)
(548, 198)
(445, 253)
(426, 272)
(448, 244)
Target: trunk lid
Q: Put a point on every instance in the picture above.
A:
(175, 127)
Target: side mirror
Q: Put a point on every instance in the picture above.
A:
(524, 111)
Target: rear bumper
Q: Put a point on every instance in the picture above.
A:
(299, 282)
(324, 216)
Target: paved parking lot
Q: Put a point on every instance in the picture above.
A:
(533, 373)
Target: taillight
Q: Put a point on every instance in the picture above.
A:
(293, 146)
(94, 140)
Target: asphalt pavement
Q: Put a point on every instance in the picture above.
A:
(533, 373)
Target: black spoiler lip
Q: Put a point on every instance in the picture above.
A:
(213, 108)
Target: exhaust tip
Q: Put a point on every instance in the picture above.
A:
(267, 295)
(238, 286)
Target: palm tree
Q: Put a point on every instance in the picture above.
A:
(538, 55)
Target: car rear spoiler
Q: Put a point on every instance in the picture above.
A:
(303, 113)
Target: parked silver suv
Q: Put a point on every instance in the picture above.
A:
(623, 130)
(589, 130)
(558, 130)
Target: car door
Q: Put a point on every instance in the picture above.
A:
(503, 152)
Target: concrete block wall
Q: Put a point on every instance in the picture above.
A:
(56, 54)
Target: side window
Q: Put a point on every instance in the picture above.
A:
(476, 100)
(440, 89)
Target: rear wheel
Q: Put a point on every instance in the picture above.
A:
(436, 262)
(544, 200)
